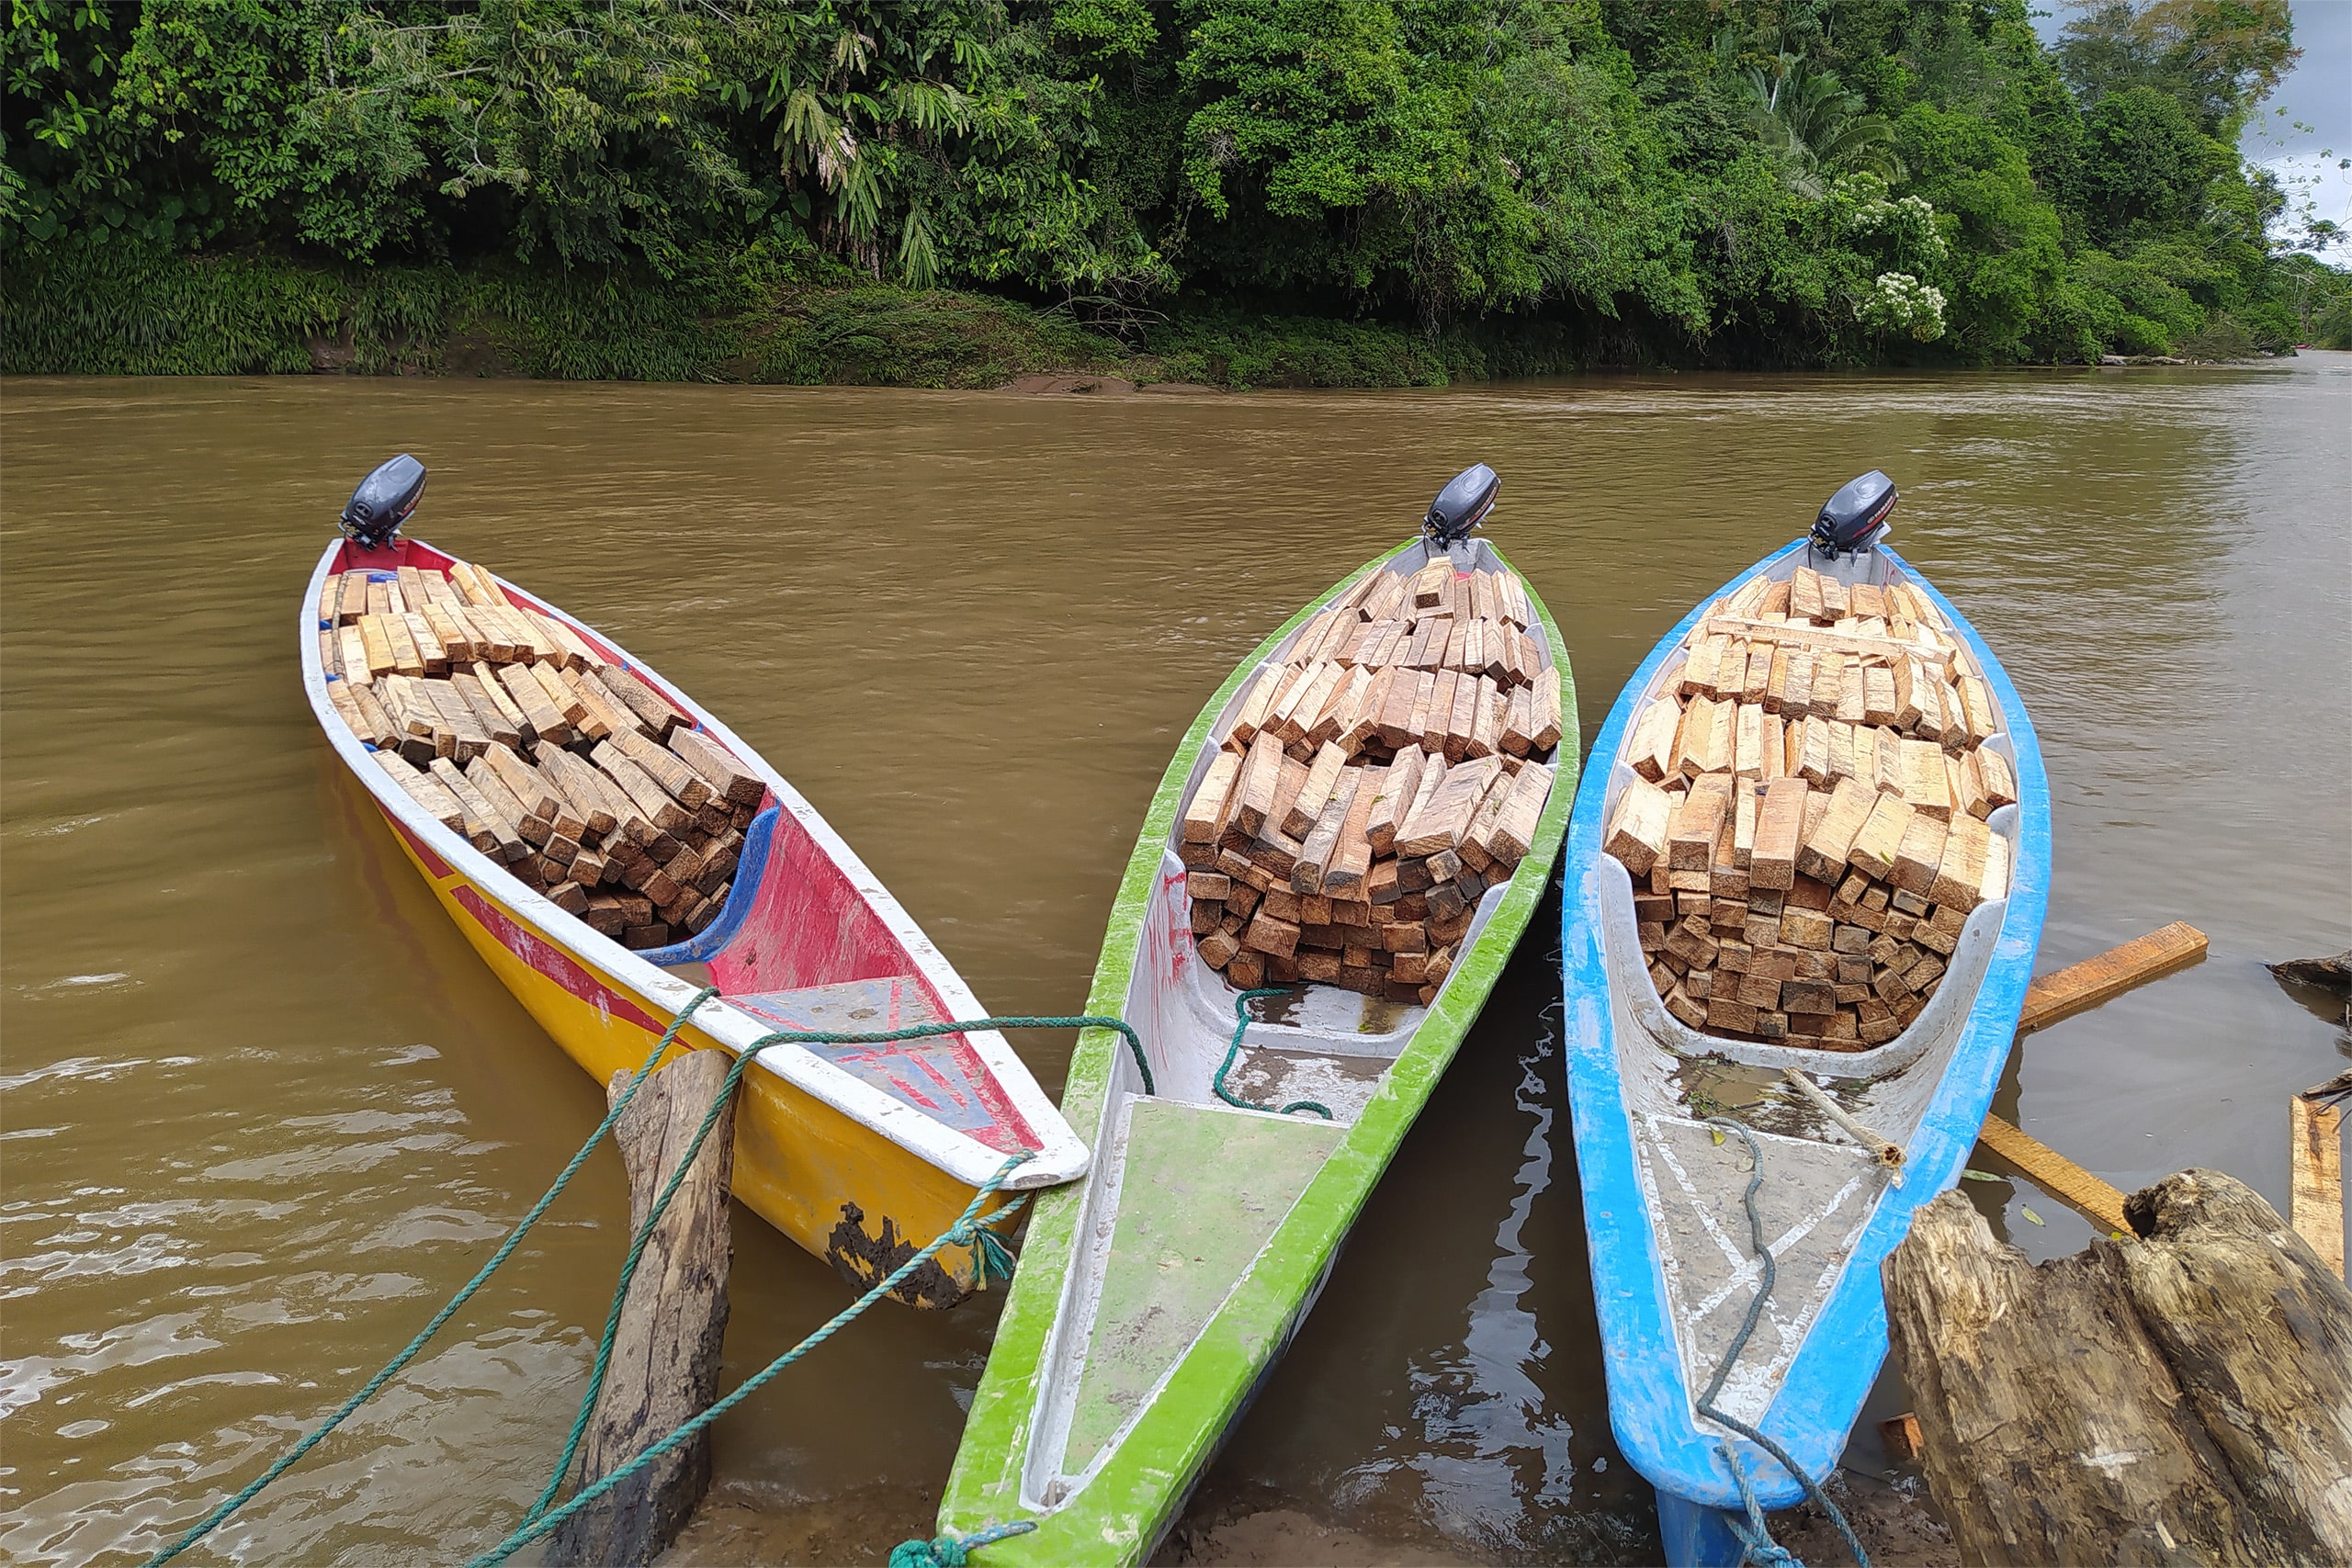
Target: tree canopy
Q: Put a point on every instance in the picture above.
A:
(1731, 182)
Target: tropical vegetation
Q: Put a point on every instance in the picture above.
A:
(1238, 190)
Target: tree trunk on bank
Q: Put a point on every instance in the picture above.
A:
(665, 1359)
(2182, 1397)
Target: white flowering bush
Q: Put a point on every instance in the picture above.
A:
(1906, 226)
(1898, 302)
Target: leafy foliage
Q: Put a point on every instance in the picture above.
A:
(1261, 191)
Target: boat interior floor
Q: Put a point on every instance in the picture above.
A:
(939, 1075)
(1188, 1196)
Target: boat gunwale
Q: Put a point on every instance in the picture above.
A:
(1195, 1405)
(1062, 1154)
(1825, 1384)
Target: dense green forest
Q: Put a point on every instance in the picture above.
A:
(1236, 190)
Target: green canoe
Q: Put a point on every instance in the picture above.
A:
(1156, 1293)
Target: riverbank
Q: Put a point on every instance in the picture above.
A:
(121, 308)
(124, 309)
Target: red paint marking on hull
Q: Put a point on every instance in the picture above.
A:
(554, 963)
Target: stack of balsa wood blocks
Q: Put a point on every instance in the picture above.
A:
(1807, 833)
(583, 780)
(1372, 784)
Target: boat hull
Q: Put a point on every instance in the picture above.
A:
(1127, 1500)
(836, 1154)
(1818, 1398)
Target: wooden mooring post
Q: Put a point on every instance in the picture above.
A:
(2181, 1397)
(665, 1360)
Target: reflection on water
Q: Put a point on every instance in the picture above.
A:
(263, 1108)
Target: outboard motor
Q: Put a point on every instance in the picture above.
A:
(383, 502)
(1855, 518)
(1461, 505)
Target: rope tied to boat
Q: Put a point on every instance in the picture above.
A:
(953, 1550)
(687, 1430)
(991, 1254)
(1233, 1053)
(1756, 1540)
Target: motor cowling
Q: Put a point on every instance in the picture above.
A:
(1461, 505)
(383, 502)
(1855, 518)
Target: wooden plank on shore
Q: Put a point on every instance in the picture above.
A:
(2110, 973)
(2315, 1163)
(2097, 1200)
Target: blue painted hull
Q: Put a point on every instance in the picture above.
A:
(1650, 1403)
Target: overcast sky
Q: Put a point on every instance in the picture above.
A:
(2317, 93)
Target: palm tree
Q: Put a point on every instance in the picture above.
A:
(1818, 127)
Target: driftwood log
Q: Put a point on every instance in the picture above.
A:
(665, 1359)
(2183, 1396)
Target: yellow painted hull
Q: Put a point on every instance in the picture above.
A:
(839, 1189)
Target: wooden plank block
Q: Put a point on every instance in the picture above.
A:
(1780, 826)
(1747, 741)
(1514, 831)
(638, 785)
(1961, 878)
(1462, 723)
(1320, 842)
(1337, 712)
(1551, 719)
(1440, 823)
(1204, 814)
(647, 701)
(1251, 714)
(472, 736)
(1881, 840)
(2315, 1162)
(487, 829)
(2094, 980)
(728, 774)
(1925, 784)
(1351, 861)
(1825, 847)
(407, 658)
(1393, 798)
(1700, 666)
(1650, 752)
(1322, 775)
(1811, 762)
(1260, 773)
(601, 810)
(2097, 1200)
(355, 598)
(531, 699)
(1698, 822)
(425, 789)
(1920, 855)
(2000, 778)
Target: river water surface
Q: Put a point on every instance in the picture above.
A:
(264, 1109)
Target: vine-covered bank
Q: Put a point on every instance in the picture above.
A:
(1331, 192)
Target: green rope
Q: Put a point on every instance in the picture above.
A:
(989, 1251)
(629, 1274)
(1241, 1013)
(953, 1550)
(961, 1234)
(416, 1346)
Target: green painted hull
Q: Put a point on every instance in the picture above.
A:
(1131, 1495)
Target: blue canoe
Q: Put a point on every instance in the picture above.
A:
(1672, 1268)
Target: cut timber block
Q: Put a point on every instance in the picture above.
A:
(1779, 825)
(2094, 980)
(1637, 832)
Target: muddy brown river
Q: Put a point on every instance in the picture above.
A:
(264, 1109)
